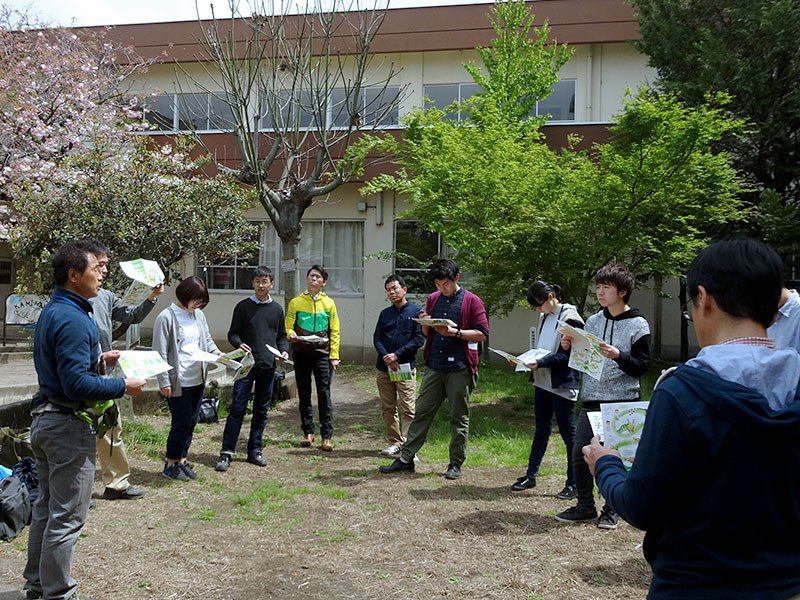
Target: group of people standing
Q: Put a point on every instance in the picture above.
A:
(725, 421)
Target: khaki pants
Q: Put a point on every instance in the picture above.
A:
(113, 459)
(397, 397)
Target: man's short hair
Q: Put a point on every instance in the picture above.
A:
(444, 268)
(394, 277)
(262, 272)
(319, 268)
(619, 276)
(99, 247)
(744, 276)
(192, 288)
(71, 255)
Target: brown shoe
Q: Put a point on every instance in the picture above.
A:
(327, 445)
(308, 440)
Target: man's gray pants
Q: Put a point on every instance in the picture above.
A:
(65, 449)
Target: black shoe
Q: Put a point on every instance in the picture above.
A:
(175, 471)
(453, 472)
(33, 594)
(129, 493)
(570, 492)
(256, 458)
(224, 462)
(523, 483)
(397, 466)
(187, 468)
(577, 514)
(608, 518)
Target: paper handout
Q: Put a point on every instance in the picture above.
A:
(229, 359)
(622, 427)
(519, 361)
(585, 355)
(146, 275)
(247, 364)
(596, 421)
(142, 364)
(279, 355)
(435, 322)
(403, 373)
(312, 338)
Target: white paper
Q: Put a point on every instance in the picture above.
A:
(142, 364)
(229, 359)
(279, 354)
(435, 322)
(245, 367)
(146, 275)
(519, 361)
(403, 373)
(596, 421)
(622, 427)
(585, 355)
(312, 338)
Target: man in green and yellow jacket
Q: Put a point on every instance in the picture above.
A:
(312, 327)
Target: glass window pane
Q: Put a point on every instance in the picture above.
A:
(269, 247)
(441, 96)
(339, 112)
(421, 247)
(309, 250)
(304, 109)
(276, 110)
(220, 114)
(343, 255)
(160, 111)
(192, 112)
(381, 106)
(468, 90)
(221, 278)
(244, 277)
(560, 104)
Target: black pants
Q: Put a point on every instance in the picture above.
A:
(319, 365)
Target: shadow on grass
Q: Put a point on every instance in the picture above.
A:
(502, 522)
(634, 572)
(455, 491)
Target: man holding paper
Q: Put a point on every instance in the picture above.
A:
(397, 338)
(256, 326)
(451, 366)
(110, 447)
(715, 479)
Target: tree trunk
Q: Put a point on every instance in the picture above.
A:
(684, 322)
(290, 277)
(658, 281)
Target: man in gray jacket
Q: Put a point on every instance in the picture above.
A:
(110, 448)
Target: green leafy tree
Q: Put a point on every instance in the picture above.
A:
(749, 49)
(516, 210)
(141, 202)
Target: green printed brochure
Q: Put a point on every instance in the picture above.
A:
(403, 373)
(142, 364)
(146, 275)
(622, 427)
(585, 355)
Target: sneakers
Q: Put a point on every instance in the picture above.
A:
(577, 514)
(523, 483)
(256, 458)
(223, 463)
(570, 492)
(608, 518)
(129, 493)
(187, 468)
(391, 450)
(453, 472)
(175, 471)
(307, 440)
(397, 466)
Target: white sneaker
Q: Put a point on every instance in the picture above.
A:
(391, 450)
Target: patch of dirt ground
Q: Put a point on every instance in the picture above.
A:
(318, 525)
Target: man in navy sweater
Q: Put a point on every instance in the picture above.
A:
(68, 365)
(257, 321)
(714, 482)
(396, 339)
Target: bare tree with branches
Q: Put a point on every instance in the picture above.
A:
(302, 90)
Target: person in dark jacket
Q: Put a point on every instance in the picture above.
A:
(396, 339)
(626, 357)
(556, 384)
(714, 481)
(256, 322)
(72, 392)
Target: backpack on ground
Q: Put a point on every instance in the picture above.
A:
(15, 507)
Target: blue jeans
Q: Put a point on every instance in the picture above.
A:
(545, 405)
(185, 411)
(263, 377)
(65, 449)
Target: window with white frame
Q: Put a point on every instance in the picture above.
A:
(443, 95)
(187, 112)
(416, 248)
(559, 105)
(336, 245)
(374, 106)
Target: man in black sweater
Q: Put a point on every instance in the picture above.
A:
(257, 321)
